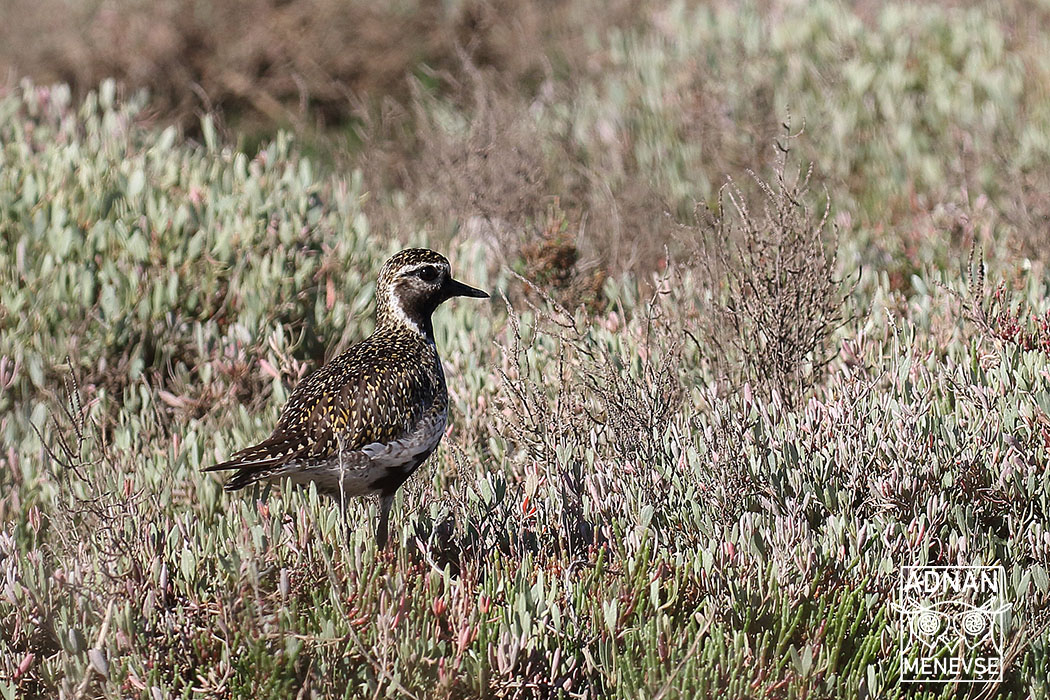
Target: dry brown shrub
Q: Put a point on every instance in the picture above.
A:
(489, 175)
(770, 274)
(285, 62)
(476, 161)
(591, 412)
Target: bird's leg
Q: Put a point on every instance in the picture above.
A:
(386, 502)
(348, 531)
(342, 486)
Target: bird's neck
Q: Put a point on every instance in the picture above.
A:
(393, 315)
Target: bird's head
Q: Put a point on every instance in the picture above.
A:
(412, 284)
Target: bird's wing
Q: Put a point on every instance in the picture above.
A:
(338, 409)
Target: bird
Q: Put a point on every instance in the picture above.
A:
(363, 423)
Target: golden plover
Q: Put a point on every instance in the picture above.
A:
(363, 423)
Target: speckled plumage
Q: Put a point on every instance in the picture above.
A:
(365, 421)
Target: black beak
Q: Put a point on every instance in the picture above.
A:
(455, 288)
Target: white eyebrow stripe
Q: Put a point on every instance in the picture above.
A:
(420, 266)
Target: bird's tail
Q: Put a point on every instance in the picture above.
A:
(257, 462)
(245, 476)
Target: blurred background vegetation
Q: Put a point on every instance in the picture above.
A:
(467, 114)
(772, 321)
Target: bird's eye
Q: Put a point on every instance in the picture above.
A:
(428, 273)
